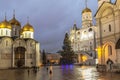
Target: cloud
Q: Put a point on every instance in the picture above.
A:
(50, 18)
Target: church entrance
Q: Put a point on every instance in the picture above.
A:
(20, 56)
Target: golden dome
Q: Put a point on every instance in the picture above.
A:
(14, 22)
(5, 24)
(86, 10)
(28, 27)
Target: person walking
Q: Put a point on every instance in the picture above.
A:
(28, 71)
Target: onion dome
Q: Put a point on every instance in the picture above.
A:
(14, 22)
(5, 24)
(86, 10)
(28, 27)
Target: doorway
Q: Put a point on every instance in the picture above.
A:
(20, 56)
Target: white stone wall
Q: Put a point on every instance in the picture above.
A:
(37, 54)
(5, 52)
(30, 53)
(107, 15)
(82, 39)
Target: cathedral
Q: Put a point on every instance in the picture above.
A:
(18, 46)
(102, 41)
(83, 40)
(108, 28)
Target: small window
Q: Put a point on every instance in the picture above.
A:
(90, 29)
(109, 28)
(78, 32)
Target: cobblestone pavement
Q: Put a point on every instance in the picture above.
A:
(59, 73)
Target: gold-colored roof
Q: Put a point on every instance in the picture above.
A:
(14, 22)
(5, 24)
(86, 10)
(28, 27)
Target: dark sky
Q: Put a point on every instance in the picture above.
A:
(51, 19)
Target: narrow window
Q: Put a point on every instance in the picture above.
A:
(29, 35)
(6, 32)
(109, 50)
(109, 28)
(15, 31)
(1, 32)
(25, 35)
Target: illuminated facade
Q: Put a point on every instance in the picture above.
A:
(83, 39)
(18, 47)
(53, 58)
(108, 28)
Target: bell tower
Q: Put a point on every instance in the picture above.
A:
(86, 17)
(100, 2)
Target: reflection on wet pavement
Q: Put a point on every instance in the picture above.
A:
(64, 72)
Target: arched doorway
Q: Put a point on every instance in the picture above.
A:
(108, 52)
(20, 56)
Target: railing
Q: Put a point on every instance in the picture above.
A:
(101, 68)
(116, 67)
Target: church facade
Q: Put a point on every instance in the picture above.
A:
(108, 28)
(18, 46)
(83, 40)
(103, 39)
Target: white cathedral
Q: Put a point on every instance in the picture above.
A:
(101, 40)
(18, 46)
(83, 39)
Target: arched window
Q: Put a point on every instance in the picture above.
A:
(109, 28)
(109, 50)
(90, 29)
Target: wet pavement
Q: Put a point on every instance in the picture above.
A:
(58, 73)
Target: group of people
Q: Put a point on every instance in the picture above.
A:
(34, 70)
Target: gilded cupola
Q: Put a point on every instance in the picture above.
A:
(14, 21)
(86, 10)
(5, 24)
(28, 27)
